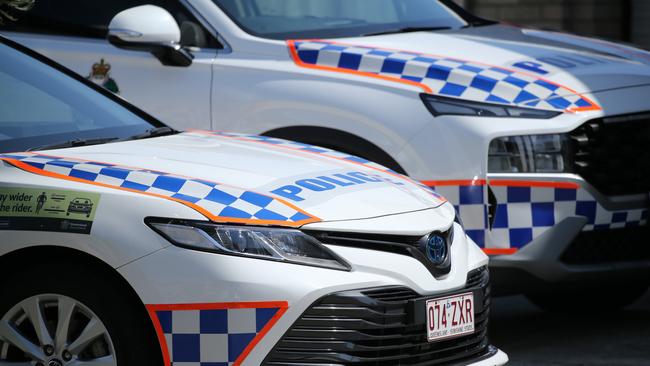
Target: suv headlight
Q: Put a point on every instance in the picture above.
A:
(451, 106)
(529, 154)
(282, 245)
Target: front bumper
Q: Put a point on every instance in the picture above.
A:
(215, 308)
(382, 326)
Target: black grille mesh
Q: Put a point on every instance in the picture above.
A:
(377, 327)
(612, 154)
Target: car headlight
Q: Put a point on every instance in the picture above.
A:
(529, 154)
(452, 106)
(282, 245)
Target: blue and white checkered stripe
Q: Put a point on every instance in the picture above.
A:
(211, 337)
(444, 76)
(224, 202)
(524, 213)
(469, 203)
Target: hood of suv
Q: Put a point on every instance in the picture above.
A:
(497, 63)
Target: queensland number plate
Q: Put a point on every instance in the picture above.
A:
(450, 316)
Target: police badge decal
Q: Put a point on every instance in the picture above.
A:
(100, 75)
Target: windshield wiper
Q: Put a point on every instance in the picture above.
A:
(154, 132)
(405, 30)
(74, 143)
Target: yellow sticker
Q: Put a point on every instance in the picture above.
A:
(47, 209)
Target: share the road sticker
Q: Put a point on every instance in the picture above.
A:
(47, 210)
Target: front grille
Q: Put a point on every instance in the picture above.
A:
(609, 246)
(381, 326)
(612, 154)
(412, 246)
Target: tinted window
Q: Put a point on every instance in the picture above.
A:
(295, 19)
(90, 18)
(40, 106)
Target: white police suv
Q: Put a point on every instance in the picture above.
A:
(538, 138)
(124, 242)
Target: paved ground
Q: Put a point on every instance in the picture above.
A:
(533, 337)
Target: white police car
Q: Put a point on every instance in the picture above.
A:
(124, 242)
(538, 138)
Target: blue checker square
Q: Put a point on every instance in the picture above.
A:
(213, 364)
(133, 185)
(425, 59)
(587, 209)
(559, 102)
(518, 194)
(235, 213)
(520, 237)
(478, 236)
(546, 84)
(453, 89)
(219, 196)
(524, 96)
(543, 214)
(470, 68)
(168, 183)
(63, 163)
(184, 197)
(350, 61)
(483, 83)
(265, 214)
(501, 216)
(187, 347)
(357, 159)
(308, 56)
(214, 321)
(516, 81)
(237, 343)
(582, 103)
(334, 47)
(115, 172)
(380, 53)
(438, 72)
(619, 217)
(165, 319)
(256, 198)
(83, 175)
(393, 66)
(470, 195)
(263, 316)
(412, 78)
(495, 99)
(299, 216)
(564, 194)
(632, 224)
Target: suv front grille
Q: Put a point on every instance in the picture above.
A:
(612, 154)
(381, 327)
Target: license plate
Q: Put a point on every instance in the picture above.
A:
(450, 316)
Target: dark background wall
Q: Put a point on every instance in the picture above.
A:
(622, 20)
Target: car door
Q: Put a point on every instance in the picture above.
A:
(73, 33)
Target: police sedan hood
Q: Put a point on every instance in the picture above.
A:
(310, 183)
(579, 64)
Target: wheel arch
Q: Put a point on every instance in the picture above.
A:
(44, 255)
(337, 140)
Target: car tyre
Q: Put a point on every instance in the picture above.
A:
(125, 331)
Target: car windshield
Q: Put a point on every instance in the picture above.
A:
(300, 19)
(41, 106)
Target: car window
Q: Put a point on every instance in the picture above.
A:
(90, 18)
(295, 19)
(39, 106)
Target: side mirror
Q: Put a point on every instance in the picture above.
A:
(149, 28)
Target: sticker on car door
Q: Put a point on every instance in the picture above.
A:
(34, 209)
